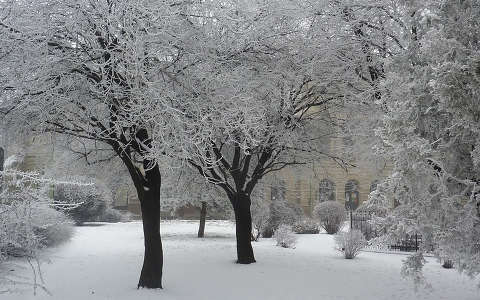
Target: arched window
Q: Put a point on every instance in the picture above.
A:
(373, 185)
(326, 190)
(352, 195)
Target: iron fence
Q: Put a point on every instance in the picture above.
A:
(361, 221)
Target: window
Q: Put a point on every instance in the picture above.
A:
(326, 191)
(352, 195)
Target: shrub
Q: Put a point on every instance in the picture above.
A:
(306, 226)
(29, 220)
(350, 243)
(91, 201)
(282, 212)
(447, 264)
(285, 237)
(51, 226)
(29, 223)
(331, 215)
(112, 215)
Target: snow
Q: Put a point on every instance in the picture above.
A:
(104, 261)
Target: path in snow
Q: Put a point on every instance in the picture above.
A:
(103, 262)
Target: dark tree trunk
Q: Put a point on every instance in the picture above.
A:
(243, 224)
(151, 275)
(203, 216)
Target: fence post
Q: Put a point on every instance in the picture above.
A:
(416, 242)
(351, 220)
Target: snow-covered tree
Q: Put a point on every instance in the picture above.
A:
(261, 99)
(236, 89)
(79, 68)
(430, 133)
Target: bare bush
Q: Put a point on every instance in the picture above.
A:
(331, 215)
(350, 243)
(285, 237)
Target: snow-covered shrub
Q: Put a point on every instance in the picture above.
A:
(350, 243)
(282, 212)
(51, 226)
(412, 268)
(285, 237)
(260, 211)
(306, 226)
(331, 215)
(93, 200)
(29, 219)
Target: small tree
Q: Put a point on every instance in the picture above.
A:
(185, 188)
(350, 243)
(331, 215)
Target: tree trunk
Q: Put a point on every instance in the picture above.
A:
(243, 223)
(203, 216)
(151, 275)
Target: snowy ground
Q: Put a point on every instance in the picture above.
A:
(103, 262)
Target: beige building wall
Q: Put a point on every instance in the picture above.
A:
(302, 183)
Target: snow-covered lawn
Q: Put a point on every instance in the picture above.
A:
(103, 262)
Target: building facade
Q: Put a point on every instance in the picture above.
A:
(326, 180)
